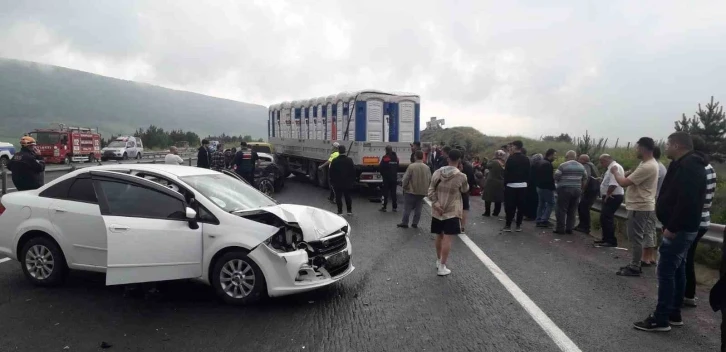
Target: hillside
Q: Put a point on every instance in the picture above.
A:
(485, 146)
(39, 96)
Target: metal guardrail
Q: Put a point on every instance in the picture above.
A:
(714, 236)
(4, 173)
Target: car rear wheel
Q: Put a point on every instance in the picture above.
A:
(138, 155)
(266, 186)
(323, 178)
(237, 279)
(43, 262)
(126, 156)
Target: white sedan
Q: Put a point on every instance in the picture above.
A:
(152, 222)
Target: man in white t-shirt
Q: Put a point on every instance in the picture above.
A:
(612, 197)
(173, 157)
(642, 186)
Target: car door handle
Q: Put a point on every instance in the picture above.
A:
(59, 210)
(118, 228)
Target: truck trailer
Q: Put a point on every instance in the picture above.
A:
(303, 132)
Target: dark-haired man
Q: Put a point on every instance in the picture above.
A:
(516, 175)
(204, 159)
(641, 184)
(545, 188)
(415, 146)
(342, 179)
(389, 173)
(246, 161)
(679, 210)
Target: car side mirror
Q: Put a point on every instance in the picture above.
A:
(191, 214)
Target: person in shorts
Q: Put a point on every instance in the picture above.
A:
(642, 184)
(447, 208)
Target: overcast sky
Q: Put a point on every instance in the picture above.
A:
(617, 68)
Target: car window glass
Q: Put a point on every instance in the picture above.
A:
(82, 191)
(135, 201)
(58, 190)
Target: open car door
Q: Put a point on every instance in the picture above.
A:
(152, 234)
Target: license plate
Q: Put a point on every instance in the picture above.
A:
(339, 259)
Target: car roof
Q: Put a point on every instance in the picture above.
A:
(176, 170)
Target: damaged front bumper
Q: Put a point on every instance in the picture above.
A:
(323, 263)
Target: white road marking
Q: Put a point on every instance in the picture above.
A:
(3, 260)
(554, 332)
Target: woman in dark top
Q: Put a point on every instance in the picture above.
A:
(493, 190)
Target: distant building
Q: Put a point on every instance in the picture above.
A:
(434, 123)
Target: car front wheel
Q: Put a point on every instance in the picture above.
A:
(237, 279)
(43, 262)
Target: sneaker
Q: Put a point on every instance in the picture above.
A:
(518, 229)
(414, 226)
(541, 224)
(486, 215)
(443, 270)
(340, 214)
(629, 271)
(599, 242)
(438, 263)
(690, 302)
(403, 226)
(501, 219)
(646, 264)
(649, 324)
(507, 229)
(558, 232)
(607, 244)
(382, 210)
(350, 213)
(675, 319)
(578, 229)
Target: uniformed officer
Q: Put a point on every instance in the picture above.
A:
(246, 160)
(27, 166)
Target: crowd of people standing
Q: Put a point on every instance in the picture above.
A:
(679, 197)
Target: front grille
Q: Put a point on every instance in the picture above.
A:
(324, 246)
(335, 271)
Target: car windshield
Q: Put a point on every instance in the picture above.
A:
(46, 137)
(228, 193)
(117, 144)
(261, 149)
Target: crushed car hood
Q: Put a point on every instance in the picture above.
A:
(315, 223)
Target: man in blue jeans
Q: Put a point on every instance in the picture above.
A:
(678, 208)
(545, 188)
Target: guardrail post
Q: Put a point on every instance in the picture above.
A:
(190, 161)
(4, 181)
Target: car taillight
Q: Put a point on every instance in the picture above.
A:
(2, 208)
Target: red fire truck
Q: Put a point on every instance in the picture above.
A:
(64, 145)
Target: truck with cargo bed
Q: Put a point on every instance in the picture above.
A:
(303, 132)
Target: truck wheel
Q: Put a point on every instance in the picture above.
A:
(126, 156)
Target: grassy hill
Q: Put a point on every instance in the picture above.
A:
(485, 146)
(40, 96)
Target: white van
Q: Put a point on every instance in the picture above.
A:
(123, 148)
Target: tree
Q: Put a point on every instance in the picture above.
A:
(710, 124)
(563, 137)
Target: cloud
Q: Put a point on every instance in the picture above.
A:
(618, 68)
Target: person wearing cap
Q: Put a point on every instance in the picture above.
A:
(27, 166)
(334, 154)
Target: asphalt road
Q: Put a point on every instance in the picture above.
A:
(392, 302)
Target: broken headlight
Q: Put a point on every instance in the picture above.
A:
(286, 239)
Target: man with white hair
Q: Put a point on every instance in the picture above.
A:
(173, 157)
(571, 179)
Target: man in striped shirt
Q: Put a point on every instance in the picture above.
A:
(571, 179)
(689, 299)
